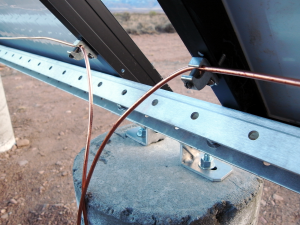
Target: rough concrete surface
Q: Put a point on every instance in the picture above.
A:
(134, 184)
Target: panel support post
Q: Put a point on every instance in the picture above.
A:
(7, 138)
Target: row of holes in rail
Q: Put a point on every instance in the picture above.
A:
(253, 135)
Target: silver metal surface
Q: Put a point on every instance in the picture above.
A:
(218, 172)
(144, 136)
(207, 162)
(196, 62)
(141, 132)
(172, 117)
(76, 54)
(269, 33)
(197, 80)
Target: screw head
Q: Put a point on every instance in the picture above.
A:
(90, 56)
(211, 83)
(122, 71)
(188, 85)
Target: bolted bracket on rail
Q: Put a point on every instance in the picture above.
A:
(197, 80)
(203, 164)
(76, 54)
(144, 135)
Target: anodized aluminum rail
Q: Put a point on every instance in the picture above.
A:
(277, 143)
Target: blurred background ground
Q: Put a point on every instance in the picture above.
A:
(36, 184)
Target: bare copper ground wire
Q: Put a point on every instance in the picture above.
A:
(252, 75)
(88, 70)
(112, 130)
(86, 180)
(264, 77)
(46, 38)
(90, 124)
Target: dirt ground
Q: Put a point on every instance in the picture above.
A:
(36, 184)
(145, 23)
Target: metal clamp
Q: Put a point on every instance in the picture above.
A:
(78, 55)
(144, 136)
(203, 164)
(197, 80)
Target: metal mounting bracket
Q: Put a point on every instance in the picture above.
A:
(144, 136)
(197, 80)
(203, 164)
(78, 55)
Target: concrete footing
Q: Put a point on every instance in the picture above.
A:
(7, 138)
(135, 184)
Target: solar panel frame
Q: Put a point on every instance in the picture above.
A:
(92, 22)
(204, 27)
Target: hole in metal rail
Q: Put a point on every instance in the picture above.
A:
(194, 115)
(13, 55)
(20, 57)
(124, 92)
(64, 72)
(79, 78)
(100, 83)
(5, 53)
(267, 164)
(253, 135)
(176, 128)
(29, 60)
(215, 168)
(50, 67)
(39, 64)
(154, 102)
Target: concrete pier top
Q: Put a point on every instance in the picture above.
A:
(135, 184)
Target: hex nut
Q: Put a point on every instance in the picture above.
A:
(205, 164)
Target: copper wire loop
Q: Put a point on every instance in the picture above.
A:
(86, 180)
(257, 76)
(115, 126)
(265, 77)
(90, 124)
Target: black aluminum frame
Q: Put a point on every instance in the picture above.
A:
(92, 22)
(205, 28)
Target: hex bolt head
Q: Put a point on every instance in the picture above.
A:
(207, 162)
